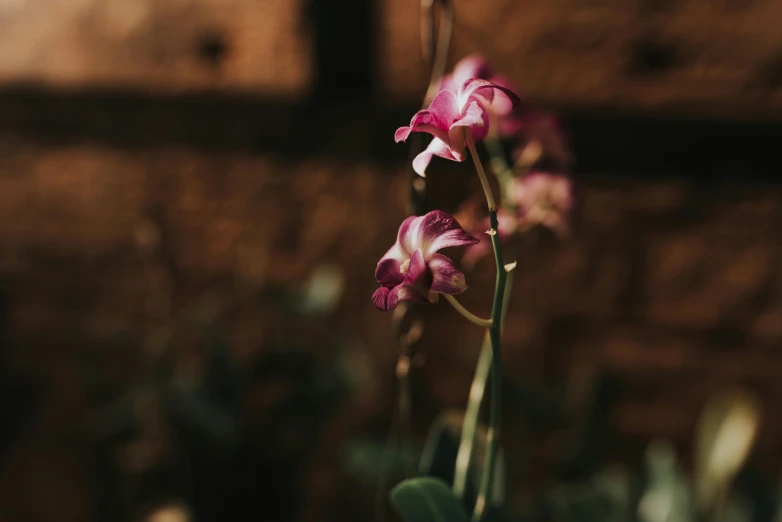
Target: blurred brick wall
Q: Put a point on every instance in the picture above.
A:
(676, 289)
(159, 46)
(696, 56)
(691, 55)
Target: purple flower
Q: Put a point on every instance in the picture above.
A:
(413, 270)
(447, 117)
(508, 116)
(544, 198)
(540, 134)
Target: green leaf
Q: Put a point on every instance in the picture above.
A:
(426, 499)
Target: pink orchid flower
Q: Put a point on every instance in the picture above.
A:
(508, 116)
(544, 198)
(413, 270)
(540, 134)
(449, 114)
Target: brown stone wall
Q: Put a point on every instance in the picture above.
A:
(671, 283)
(264, 47)
(661, 282)
(695, 56)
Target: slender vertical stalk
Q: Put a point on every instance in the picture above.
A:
(482, 176)
(475, 400)
(470, 422)
(492, 438)
(494, 337)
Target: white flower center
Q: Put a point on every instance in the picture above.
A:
(404, 266)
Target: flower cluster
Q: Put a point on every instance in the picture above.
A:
(537, 135)
(474, 104)
(474, 99)
(538, 199)
(509, 117)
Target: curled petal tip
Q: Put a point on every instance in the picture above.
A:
(402, 133)
(510, 266)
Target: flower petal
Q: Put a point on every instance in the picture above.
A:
(503, 105)
(418, 275)
(403, 248)
(388, 272)
(471, 87)
(446, 278)
(420, 122)
(418, 280)
(386, 298)
(473, 117)
(434, 231)
(402, 133)
(398, 252)
(437, 147)
(444, 109)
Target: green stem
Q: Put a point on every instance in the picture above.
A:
(482, 176)
(492, 438)
(486, 323)
(470, 422)
(474, 402)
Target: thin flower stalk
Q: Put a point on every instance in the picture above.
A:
(494, 337)
(484, 181)
(504, 174)
(475, 401)
(485, 323)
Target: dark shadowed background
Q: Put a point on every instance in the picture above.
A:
(194, 195)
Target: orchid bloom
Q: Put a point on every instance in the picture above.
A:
(413, 270)
(508, 116)
(476, 66)
(546, 199)
(447, 117)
